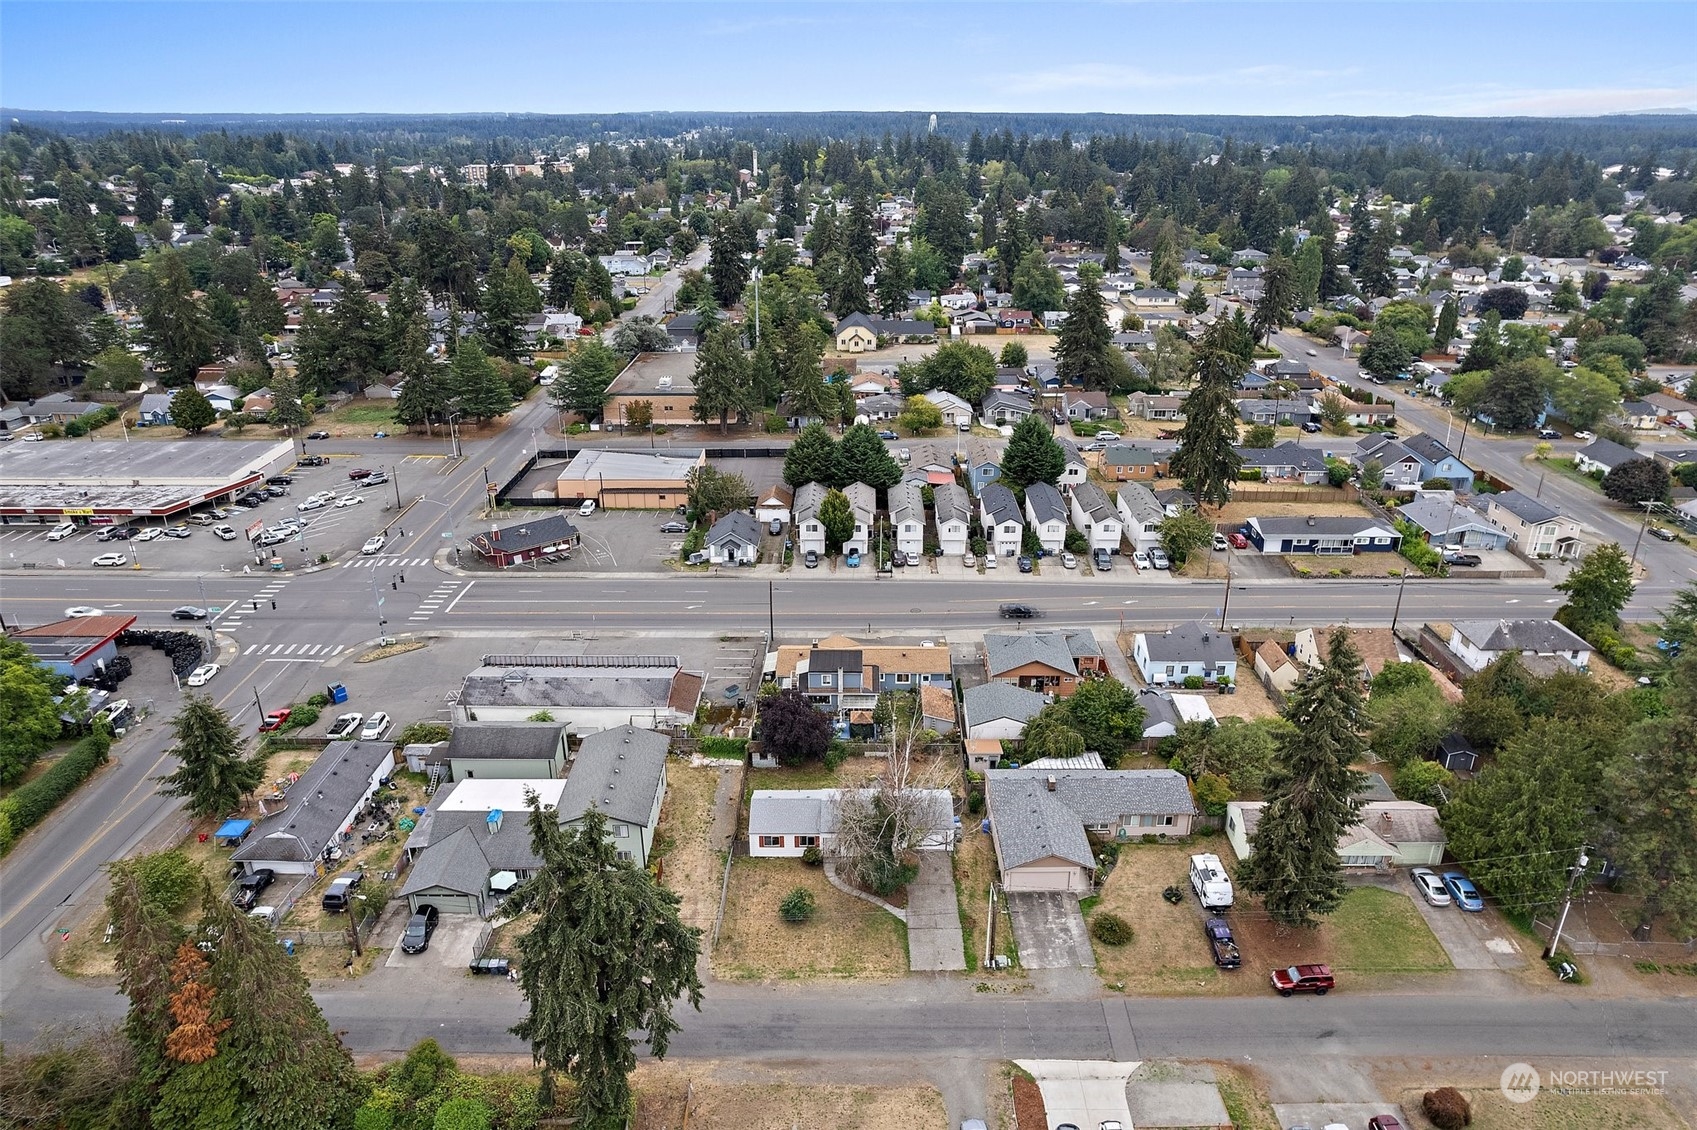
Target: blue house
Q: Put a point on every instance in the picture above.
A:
(1439, 462)
(155, 409)
(1326, 537)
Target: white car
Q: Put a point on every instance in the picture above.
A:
(202, 675)
(376, 727)
(224, 533)
(347, 725)
(1431, 887)
(1584, 436)
(1158, 558)
(313, 503)
(32, 437)
(60, 532)
(151, 533)
(373, 544)
(587, 508)
(1111, 437)
(1068, 561)
(348, 500)
(83, 610)
(109, 559)
(1141, 560)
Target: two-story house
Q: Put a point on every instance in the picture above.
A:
(1437, 461)
(1096, 517)
(1400, 466)
(1046, 511)
(907, 517)
(1141, 515)
(1536, 528)
(841, 675)
(1074, 470)
(1004, 525)
(809, 530)
(1125, 463)
(1184, 650)
(863, 500)
(953, 514)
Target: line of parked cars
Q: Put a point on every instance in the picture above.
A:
(1452, 887)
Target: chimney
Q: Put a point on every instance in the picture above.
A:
(1385, 818)
(1051, 782)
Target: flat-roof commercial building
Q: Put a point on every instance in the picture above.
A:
(630, 480)
(111, 481)
(666, 381)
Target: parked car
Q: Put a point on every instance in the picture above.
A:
(1462, 890)
(811, 559)
(1384, 1122)
(376, 727)
(280, 480)
(340, 893)
(1584, 436)
(109, 533)
(852, 559)
(1316, 979)
(1663, 534)
(1548, 433)
(373, 544)
(1431, 887)
(1220, 542)
(675, 527)
(60, 532)
(1311, 428)
(317, 435)
(969, 560)
(416, 937)
(1068, 561)
(313, 503)
(347, 725)
(1019, 612)
(179, 531)
(1108, 436)
(1158, 558)
(150, 534)
(1219, 934)
(360, 473)
(898, 560)
(1024, 563)
(1141, 559)
(888, 434)
(188, 612)
(587, 508)
(1466, 560)
(313, 460)
(224, 533)
(203, 674)
(76, 610)
(252, 885)
(348, 500)
(1238, 541)
(274, 721)
(111, 559)
(1102, 560)
(775, 526)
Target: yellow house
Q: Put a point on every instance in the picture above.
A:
(854, 334)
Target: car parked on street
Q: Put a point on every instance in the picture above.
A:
(376, 727)
(888, 434)
(203, 674)
(1548, 433)
(107, 560)
(1462, 890)
(1584, 437)
(416, 937)
(274, 721)
(1661, 533)
(347, 725)
(1431, 887)
(317, 435)
(1292, 979)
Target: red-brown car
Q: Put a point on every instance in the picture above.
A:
(274, 721)
(1238, 541)
(1316, 979)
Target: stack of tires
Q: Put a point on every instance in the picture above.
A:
(186, 649)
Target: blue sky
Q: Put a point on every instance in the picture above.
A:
(1439, 57)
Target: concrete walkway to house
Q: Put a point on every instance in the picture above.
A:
(934, 942)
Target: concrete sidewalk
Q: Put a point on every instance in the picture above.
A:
(934, 942)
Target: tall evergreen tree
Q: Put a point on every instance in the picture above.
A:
(1164, 262)
(895, 279)
(1085, 347)
(724, 385)
(191, 411)
(1311, 793)
(1032, 455)
(607, 955)
(863, 458)
(1447, 319)
(479, 389)
(725, 264)
(1207, 461)
(812, 458)
(178, 332)
(214, 775)
(287, 411)
(1652, 808)
(1278, 297)
(584, 376)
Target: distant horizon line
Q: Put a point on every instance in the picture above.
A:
(182, 115)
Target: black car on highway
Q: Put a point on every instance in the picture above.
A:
(1019, 612)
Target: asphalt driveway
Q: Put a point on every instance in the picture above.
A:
(1050, 931)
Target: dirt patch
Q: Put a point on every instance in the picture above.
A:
(846, 937)
(1167, 954)
(775, 1097)
(388, 650)
(1239, 512)
(1250, 702)
(975, 868)
(690, 863)
(1204, 564)
(1029, 1113)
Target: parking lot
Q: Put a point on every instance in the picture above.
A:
(326, 529)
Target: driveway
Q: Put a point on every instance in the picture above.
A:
(1352, 1115)
(1170, 1094)
(1472, 941)
(1083, 1092)
(1050, 931)
(934, 942)
(451, 945)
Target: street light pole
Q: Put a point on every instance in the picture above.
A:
(201, 581)
(377, 606)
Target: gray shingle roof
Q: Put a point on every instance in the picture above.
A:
(1094, 501)
(989, 701)
(521, 537)
(1609, 453)
(1140, 502)
(1000, 505)
(907, 504)
(1045, 503)
(1031, 823)
(1540, 636)
(952, 502)
(1321, 526)
(1004, 651)
(618, 772)
(456, 863)
(808, 496)
(1287, 454)
(1523, 506)
(1188, 642)
(737, 527)
(516, 740)
(317, 805)
(1431, 450)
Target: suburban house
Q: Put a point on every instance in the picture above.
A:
(734, 539)
(1141, 515)
(1639, 415)
(1154, 298)
(1182, 651)
(1046, 511)
(1075, 470)
(1264, 411)
(1368, 415)
(907, 517)
(840, 675)
(863, 500)
(1377, 647)
(1040, 819)
(1389, 833)
(1401, 467)
(502, 750)
(1000, 516)
(1155, 406)
(665, 381)
(774, 503)
(1076, 405)
(786, 822)
(1278, 671)
(317, 810)
(620, 773)
(1164, 712)
(878, 408)
(1341, 536)
(54, 408)
(1446, 520)
(685, 330)
(629, 480)
(1052, 662)
(1681, 413)
(937, 709)
(854, 334)
(1437, 461)
(1539, 530)
(1479, 643)
(1287, 462)
(809, 530)
(1124, 463)
(999, 710)
(1602, 455)
(155, 409)
(1096, 517)
(952, 507)
(955, 410)
(1002, 408)
(584, 693)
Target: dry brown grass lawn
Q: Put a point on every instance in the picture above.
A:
(1245, 1097)
(776, 1098)
(1168, 953)
(691, 864)
(1250, 701)
(975, 867)
(848, 937)
(1550, 1111)
(1247, 507)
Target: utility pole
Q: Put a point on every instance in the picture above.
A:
(771, 618)
(1639, 540)
(258, 705)
(1397, 611)
(1225, 606)
(1573, 874)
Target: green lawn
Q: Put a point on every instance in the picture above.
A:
(1565, 468)
(364, 412)
(1380, 931)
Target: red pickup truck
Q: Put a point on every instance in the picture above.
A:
(274, 721)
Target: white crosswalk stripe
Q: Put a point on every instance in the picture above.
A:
(432, 604)
(384, 562)
(295, 650)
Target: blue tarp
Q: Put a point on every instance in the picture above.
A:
(234, 829)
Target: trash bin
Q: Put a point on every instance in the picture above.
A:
(337, 692)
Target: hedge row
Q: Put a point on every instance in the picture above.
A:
(31, 803)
